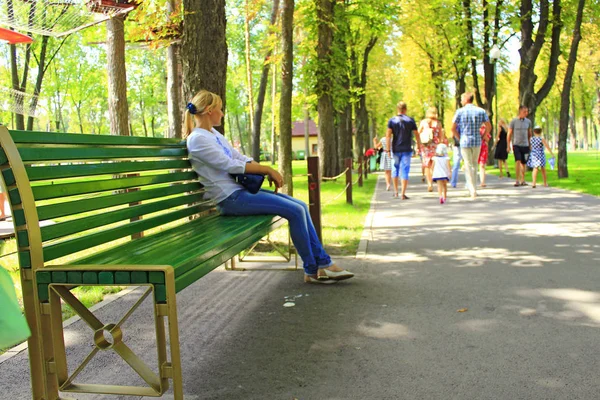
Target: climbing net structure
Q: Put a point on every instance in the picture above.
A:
(59, 17)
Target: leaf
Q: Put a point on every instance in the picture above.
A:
(462, 310)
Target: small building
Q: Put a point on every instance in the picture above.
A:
(298, 138)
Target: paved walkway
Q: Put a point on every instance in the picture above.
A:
(495, 298)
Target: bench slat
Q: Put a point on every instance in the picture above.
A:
(76, 138)
(37, 173)
(192, 249)
(62, 229)
(46, 192)
(37, 154)
(105, 201)
(57, 250)
(197, 271)
(186, 246)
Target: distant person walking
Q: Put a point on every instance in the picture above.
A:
(537, 160)
(501, 152)
(386, 164)
(456, 159)
(431, 134)
(519, 135)
(465, 127)
(399, 136)
(483, 154)
(441, 170)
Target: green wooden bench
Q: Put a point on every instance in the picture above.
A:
(127, 211)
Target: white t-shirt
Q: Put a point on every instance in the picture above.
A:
(440, 167)
(213, 159)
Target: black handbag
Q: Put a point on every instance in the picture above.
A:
(252, 182)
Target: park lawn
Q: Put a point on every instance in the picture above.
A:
(342, 226)
(584, 172)
(342, 223)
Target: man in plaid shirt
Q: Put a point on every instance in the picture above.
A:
(468, 120)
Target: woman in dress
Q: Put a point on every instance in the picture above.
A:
(483, 155)
(386, 164)
(501, 152)
(431, 134)
(214, 159)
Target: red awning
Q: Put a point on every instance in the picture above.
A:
(13, 37)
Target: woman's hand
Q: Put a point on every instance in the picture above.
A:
(275, 177)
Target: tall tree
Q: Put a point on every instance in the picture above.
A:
(285, 104)
(262, 88)
(531, 47)
(118, 109)
(249, 88)
(362, 115)
(324, 85)
(204, 48)
(173, 80)
(563, 171)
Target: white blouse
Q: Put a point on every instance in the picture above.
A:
(213, 159)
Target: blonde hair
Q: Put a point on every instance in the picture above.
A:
(431, 113)
(203, 102)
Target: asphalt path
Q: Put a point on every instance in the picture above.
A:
(495, 298)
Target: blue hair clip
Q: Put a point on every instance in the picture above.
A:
(191, 108)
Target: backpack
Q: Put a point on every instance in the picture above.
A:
(426, 134)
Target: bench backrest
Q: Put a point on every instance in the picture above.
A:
(97, 189)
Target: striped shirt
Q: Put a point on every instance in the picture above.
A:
(469, 119)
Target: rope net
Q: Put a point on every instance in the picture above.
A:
(59, 17)
(18, 102)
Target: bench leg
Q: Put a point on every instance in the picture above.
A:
(41, 353)
(176, 372)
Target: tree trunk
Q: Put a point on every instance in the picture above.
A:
(14, 73)
(262, 90)
(530, 50)
(572, 125)
(273, 114)
(325, 13)
(461, 87)
(173, 84)
(563, 171)
(204, 66)
(285, 103)
(41, 71)
(345, 136)
(362, 116)
(584, 117)
(143, 115)
(118, 110)
(249, 76)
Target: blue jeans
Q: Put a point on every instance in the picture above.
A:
(457, 157)
(401, 165)
(302, 230)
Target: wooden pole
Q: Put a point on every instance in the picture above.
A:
(314, 194)
(348, 163)
(360, 171)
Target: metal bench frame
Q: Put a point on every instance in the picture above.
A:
(48, 361)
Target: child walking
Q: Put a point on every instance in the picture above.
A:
(441, 170)
(537, 158)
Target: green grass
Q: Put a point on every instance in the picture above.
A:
(342, 226)
(342, 223)
(584, 172)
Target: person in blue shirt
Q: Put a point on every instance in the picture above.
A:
(399, 137)
(465, 127)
